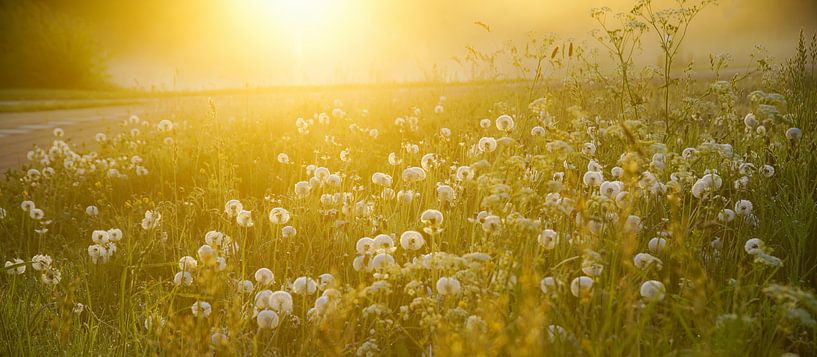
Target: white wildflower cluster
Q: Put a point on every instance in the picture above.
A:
(104, 244)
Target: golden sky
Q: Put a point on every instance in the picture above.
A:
(218, 43)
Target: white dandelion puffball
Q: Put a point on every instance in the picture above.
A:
(325, 281)
(201, 309)
(581, 286)
(267, 319)
(743, 207)
(304, 286)
(283, 158)
(364, 245)
(207, 255)
(183, 278)
(233, 207)
(487, 144)
(279, 216)
(36, 214)
(592, 178)
(264, 276)
(448, 286)
(645, 261)
(657, 244)
(19, 269)
(412, 240)
(115, 234)
(548, 285)
(188, 263)
(548, 239)
(794, 134)
(383, 243)
(27, 206)
(91, 210)
(280, 301)
(485, 123)
(100, 237)
(244, 219)
(504, 122)
(302, 189)
(288, 232)
(754, 246)
(381, 261)
(432, 217)
(653, 290)
(41, 262)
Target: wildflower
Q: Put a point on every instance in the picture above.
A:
(283, 158)
(657, 244)
(706, 184)
(432, 217)
(302, 189)
(151, 220)
(581, 286)
(645, 261)
(485, 123)
(767, 170)
(381, 261)
(592, 178)
(491, 223)
(51, 276)
(653, 290)
(267, 319)
(505, 123)
(188, 263)
(726, 215)
(487, 144)
(245, 286)
(100, 237)
(750, 120)
(743, 207)
(264, 276)
(448, 286)
(244, 219)
(589, 149)
(91, 210)
(36, 214)
(445, 193)
(304, 286)
(201, 309)
(183, 278)
(279, 216)
(381, 179)
(233, 207)
(383, 243)
(548, 239)
(414, 174)
(280, 301)
(207, 254)
(326, 281)
(288, 232)
(549, 285)
(794, 134)
(41, 262)
(364, 245)
(164, 126)
(20, 267)
(411, 240)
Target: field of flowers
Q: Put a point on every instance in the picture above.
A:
(590, 218)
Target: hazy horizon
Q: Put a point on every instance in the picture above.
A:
(219, 43)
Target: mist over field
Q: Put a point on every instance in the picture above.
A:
(219, 43)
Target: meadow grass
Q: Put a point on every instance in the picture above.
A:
(591, 216)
